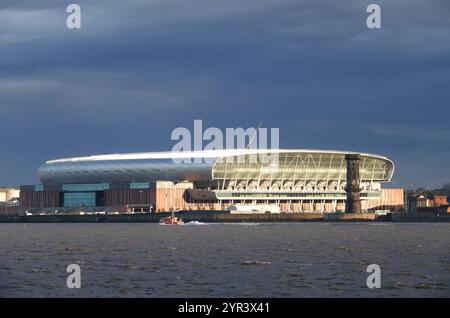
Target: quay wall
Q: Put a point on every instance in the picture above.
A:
(186, 216)
(224, 217)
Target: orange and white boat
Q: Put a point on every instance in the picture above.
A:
(171, 220)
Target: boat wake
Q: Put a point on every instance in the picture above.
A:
(195, 223)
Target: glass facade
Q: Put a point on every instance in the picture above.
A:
(85, 187)
(139, 185)
(80, 199)
(299, 166)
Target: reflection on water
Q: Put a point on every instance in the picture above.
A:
(225, 260)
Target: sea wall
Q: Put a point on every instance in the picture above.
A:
(356, 217)
(225, 217)
(187, 216)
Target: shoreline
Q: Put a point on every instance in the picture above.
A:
(226, 217)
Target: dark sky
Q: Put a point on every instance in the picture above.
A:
(138, 69)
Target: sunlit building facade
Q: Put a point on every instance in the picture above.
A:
(296, 180)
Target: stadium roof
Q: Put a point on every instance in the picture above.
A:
(202, 154)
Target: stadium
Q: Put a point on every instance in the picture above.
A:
(296, 180)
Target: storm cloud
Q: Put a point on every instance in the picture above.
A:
(138, 69)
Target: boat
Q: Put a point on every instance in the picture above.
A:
(171, 220)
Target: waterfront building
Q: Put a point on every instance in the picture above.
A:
(9, 195)
(297, 180)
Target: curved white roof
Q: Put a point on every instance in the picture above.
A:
(169, 165)
(200, 154)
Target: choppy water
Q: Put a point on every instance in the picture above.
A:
(225, 260)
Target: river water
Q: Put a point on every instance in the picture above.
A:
(225, 260)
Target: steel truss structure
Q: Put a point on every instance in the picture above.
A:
(296, 176)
